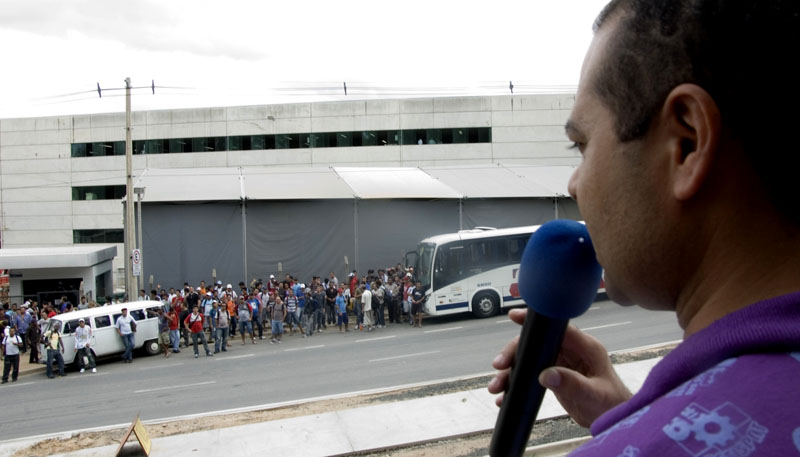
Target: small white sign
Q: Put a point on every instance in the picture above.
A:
(136, 260)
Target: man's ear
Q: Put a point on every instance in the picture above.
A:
(691, 122)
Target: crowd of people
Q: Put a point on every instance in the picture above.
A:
(213, 314)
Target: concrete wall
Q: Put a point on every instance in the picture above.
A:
(37, 172)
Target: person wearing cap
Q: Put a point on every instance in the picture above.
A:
(83, 335)
(125, 325)
(229, 290)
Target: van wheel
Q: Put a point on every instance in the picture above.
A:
(151, 347)
(485, 304)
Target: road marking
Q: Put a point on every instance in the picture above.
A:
(376, 339)
(593, 308)
(174, 387)
(303, 349)
(606, 326)
(234, 357)
(160, 366)
(404, 356)
(503, 321)
(443, 330)
(13, 384)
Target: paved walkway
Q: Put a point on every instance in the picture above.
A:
(354, 430)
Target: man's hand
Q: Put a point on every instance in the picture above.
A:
(583, 380)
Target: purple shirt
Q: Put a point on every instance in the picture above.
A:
(732, 389)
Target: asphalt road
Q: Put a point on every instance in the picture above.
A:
(325, 364)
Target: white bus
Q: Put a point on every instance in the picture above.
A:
(472, 270)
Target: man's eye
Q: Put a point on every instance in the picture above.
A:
(576, 145)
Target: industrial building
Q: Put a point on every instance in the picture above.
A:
(243, 189)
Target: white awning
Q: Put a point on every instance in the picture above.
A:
(55, 257)
(319, 183)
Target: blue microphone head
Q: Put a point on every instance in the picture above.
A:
(559, 274)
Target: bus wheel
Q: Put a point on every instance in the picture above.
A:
(485, 305)
(151, 347)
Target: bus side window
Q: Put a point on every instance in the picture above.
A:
(137, 315)
(516, 246)
(102, 321)
(152, 312)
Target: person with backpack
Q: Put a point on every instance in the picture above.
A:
(379, 299)
(10, 351)
(55, 347)
(245, 313)
(278, 313)
(341, 311)
(222, 321)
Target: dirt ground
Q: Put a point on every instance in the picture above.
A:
(474, 445)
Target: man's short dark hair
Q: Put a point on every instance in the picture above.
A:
(739, 52)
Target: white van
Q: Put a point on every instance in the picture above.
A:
(105, 340)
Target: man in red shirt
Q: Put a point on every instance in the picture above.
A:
(174, 324)
(194, 323)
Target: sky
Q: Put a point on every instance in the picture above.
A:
(204, 53)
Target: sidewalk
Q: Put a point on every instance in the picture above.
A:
(344, 432)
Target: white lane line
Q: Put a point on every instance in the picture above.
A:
(14, 384)
(593, 308)
(174, 387)
(303, 349)
(503, 321)
(443, 330)
(404, 356)
(161, 366)
(606, 326)
(376, 339)
(234, 357)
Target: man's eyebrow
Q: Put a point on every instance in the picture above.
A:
(571, 127)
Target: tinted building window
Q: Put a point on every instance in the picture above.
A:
(98, 192)
(97, 236)
(288, 141)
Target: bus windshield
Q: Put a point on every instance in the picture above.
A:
(424, 261)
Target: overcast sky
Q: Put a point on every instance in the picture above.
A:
(244, 52)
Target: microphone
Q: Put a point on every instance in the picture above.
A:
(558, 279)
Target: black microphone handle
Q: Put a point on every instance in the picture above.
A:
(539, 344)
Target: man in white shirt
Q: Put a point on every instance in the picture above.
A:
(125, 325)
(10, 350)
(83, 335)
(366, 301)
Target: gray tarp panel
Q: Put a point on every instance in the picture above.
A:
(507, 212)
(183, 242)
(387, 229)
(309, 237)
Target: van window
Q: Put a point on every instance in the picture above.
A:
(152, 312)
(137, 314)
(102, 321)
(69, 327)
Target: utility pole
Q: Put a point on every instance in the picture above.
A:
(130, 241)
